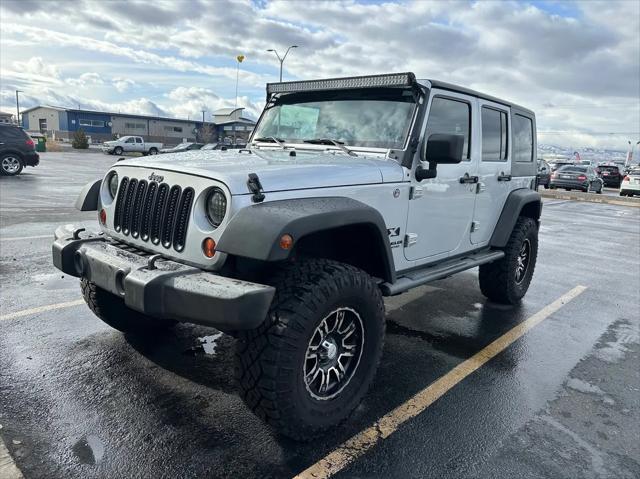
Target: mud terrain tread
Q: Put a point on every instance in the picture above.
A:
(113, 311)
(302, 290)
(497, 280)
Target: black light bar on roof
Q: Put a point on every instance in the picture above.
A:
(370, 81)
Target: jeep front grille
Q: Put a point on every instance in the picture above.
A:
(153, 211)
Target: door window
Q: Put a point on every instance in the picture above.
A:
(522, 139)
(138, 140)
(129, 140)
(452, 117)
(494, 134)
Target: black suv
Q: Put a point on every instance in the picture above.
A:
(17, 150)
(610, 174)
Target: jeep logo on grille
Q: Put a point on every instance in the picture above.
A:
(154, 177)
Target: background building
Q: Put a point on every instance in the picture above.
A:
(6, 117)
(61, 123)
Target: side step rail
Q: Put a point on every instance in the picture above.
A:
(439, 271)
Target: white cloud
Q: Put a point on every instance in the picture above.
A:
(86, 79)
(122, 84)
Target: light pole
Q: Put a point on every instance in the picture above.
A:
(18, 107)
(240, 59)
(281, 60)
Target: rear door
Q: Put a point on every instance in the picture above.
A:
(139, 144)
(494, 170)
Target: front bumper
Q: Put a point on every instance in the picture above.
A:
(107, 149)
(161, 288)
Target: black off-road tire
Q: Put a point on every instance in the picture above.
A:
(270, 359)
(112, 310)
(498, 279)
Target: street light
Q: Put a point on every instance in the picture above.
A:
(281, 60)
(18, 107)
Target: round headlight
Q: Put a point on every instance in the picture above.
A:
(113, 185)
(216, 206)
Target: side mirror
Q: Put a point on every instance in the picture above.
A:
(441, 149)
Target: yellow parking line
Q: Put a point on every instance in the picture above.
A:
(41, 309)
(388, 424)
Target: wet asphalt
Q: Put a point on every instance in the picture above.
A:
(80, 400)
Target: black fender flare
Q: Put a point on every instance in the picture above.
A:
(516, 202)
(88, 198)
(255, 231)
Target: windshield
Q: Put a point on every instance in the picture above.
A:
(379, 119)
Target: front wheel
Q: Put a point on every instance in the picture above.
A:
(311, 362)
(112, 310)
(507, 280)
(118, 150)
(10, 164)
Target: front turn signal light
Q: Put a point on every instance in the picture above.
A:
(209, 247)
(103, 217)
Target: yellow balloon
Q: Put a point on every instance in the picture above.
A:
(240, 58)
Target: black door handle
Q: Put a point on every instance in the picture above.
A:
(468, 179)
(503, 177)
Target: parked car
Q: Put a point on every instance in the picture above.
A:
(544, 173)
(17, 150)
(630, 185)
(559, 164)
(131, 144)
(186, 146)
(576, 177)
(610, 174)
(292, 249)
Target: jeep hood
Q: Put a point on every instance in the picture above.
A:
(277, 170)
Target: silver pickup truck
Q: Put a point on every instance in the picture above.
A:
(130, 144)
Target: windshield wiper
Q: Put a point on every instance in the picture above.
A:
(329, 141)
(271, 139)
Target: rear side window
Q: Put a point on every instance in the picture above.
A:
(494, 134)
(522, 139)
(452, 117)
(12, 133)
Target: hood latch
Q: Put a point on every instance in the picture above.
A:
(255, 187)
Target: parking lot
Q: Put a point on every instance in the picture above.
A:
(562, 400)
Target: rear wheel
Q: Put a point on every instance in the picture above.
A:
(153, 151)
(112, 310)
(507, 280)
(310, 363)
(11, 164)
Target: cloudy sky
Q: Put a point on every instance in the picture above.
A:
(577, 64)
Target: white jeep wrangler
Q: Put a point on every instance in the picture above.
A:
(350, 190)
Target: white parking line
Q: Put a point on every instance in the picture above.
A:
(362, 442)
(19, 238)
(8, 468)
(41, 309)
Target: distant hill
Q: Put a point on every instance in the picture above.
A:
(586, 153)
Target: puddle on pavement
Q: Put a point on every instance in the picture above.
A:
(89, 450)
(206, 345)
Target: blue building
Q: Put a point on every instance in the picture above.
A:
(61, 123)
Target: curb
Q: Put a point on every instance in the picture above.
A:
(590, 197)
(8, 468)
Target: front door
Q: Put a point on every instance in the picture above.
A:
(441, 209)
(494, 170)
